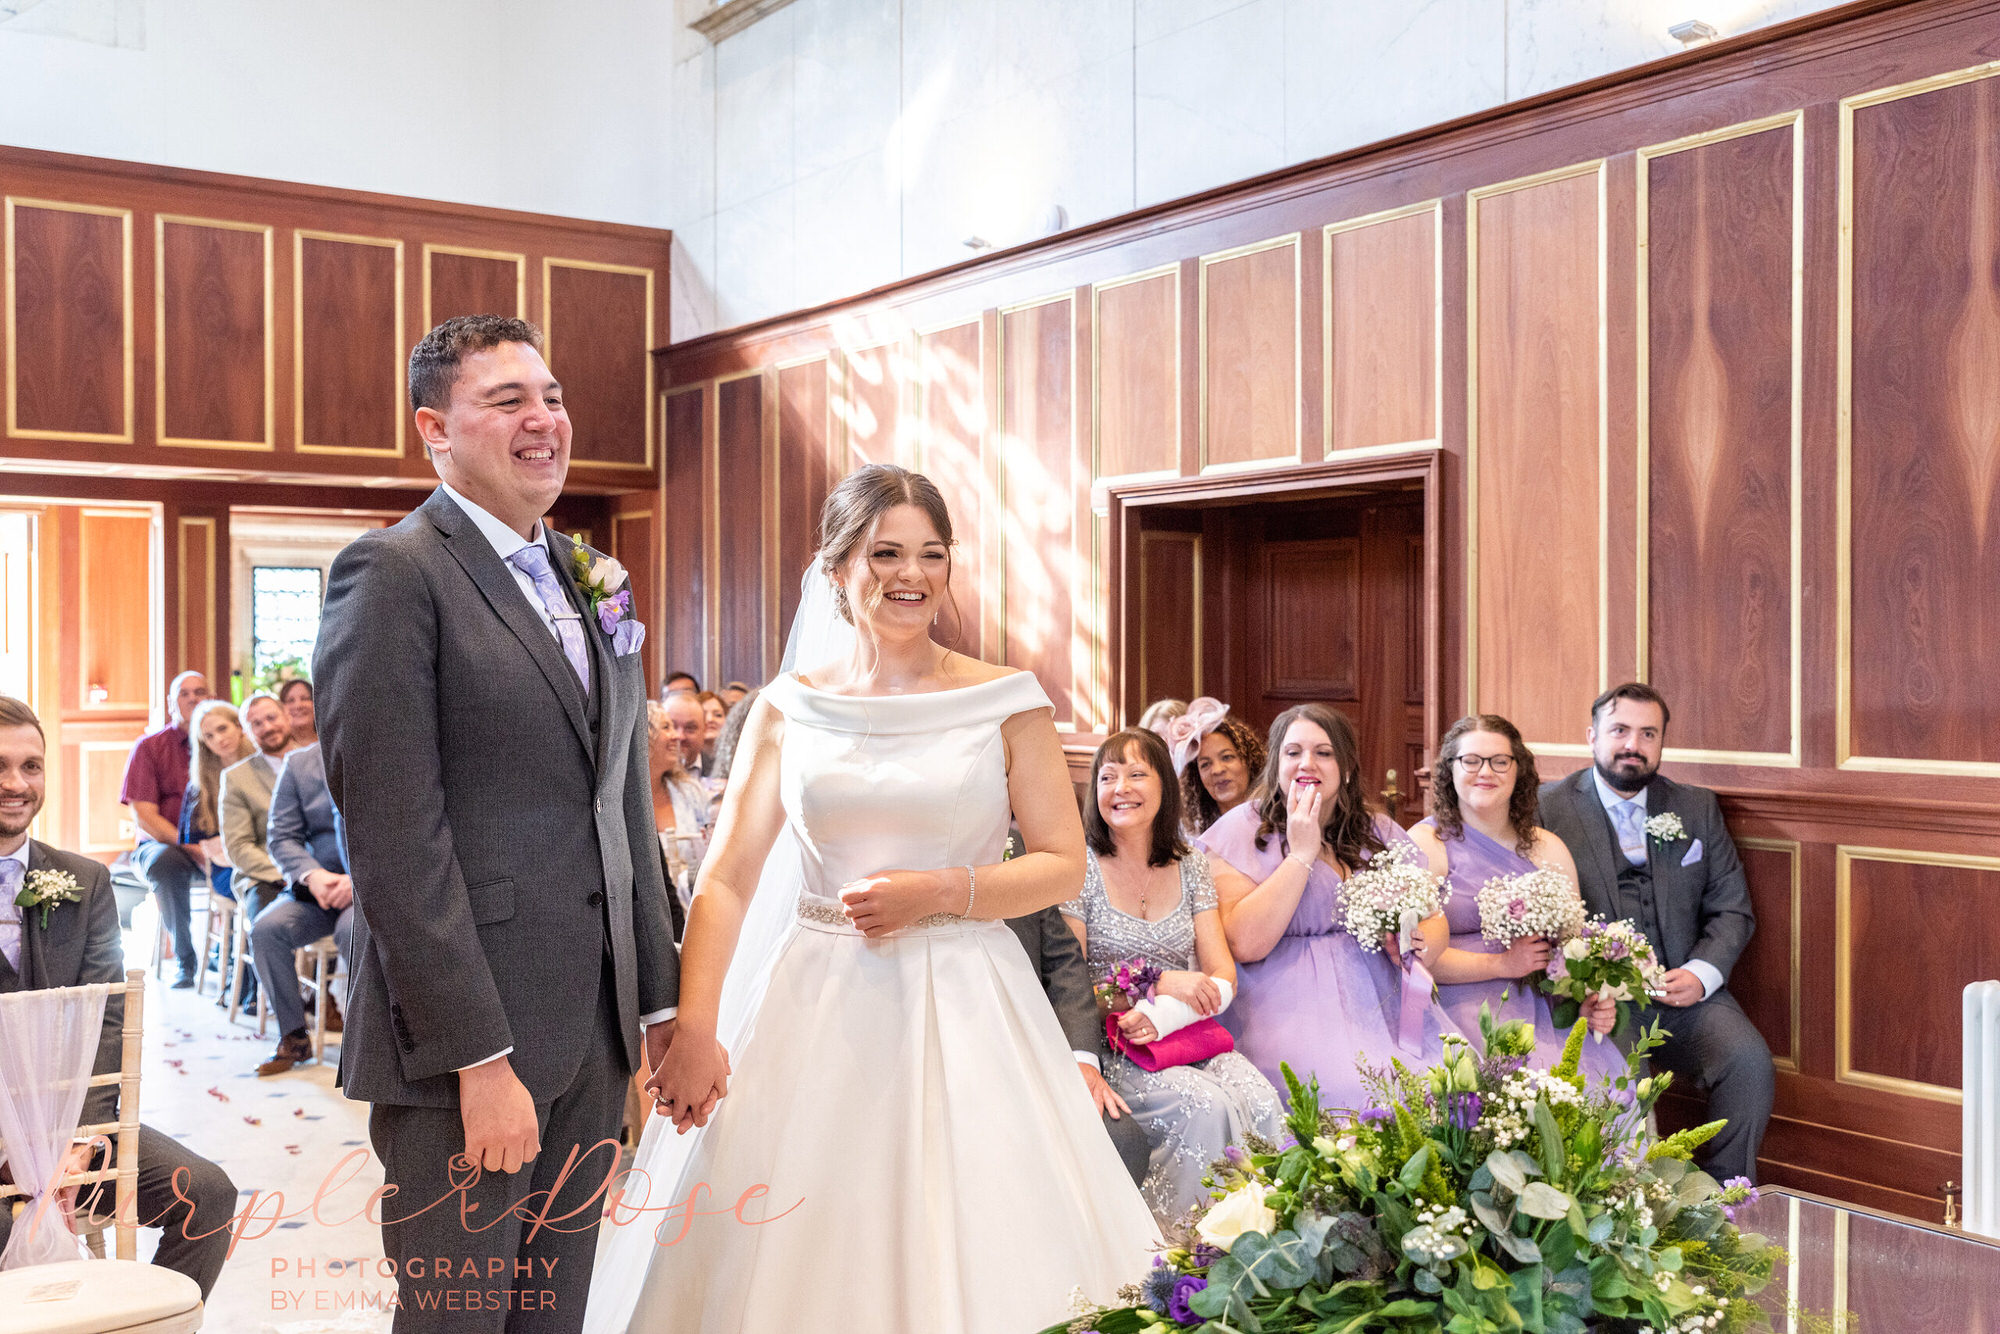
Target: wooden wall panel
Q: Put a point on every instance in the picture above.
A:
(742, 479)
(1538, 432)
(1384, 325)
(1042, 563)
(598, 320)
(104, 827)
(350, 358)
(685, 627)
(198, 544)
(1924, 452)
(952, 426)
(1136, 377)
(1894, 908)
(1168, 617)
(1720, 440)
(871, 406)
(214, 352)
(1250, 355)
(1765, 980)
(116, 552)
(69, 321)
(804, 475)
(635, 544)
(459, 281)
(1314, 655)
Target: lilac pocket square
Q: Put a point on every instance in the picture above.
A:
(1694, 854)
(628, 635)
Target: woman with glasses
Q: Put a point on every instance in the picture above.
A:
(1482, 825)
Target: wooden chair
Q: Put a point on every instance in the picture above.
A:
(198, 902)
(315, 964)
(240, 946)
(219, 931)
(120, 1296)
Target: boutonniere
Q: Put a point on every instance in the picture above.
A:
(46, 890)
(1666, 827)
(605, 582)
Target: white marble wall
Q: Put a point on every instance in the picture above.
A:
(842, 144)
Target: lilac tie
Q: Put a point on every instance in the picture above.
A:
(11, 873)
(533, 561)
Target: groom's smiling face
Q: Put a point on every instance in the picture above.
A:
(503, 442)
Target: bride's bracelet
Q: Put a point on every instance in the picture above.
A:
(971, 888)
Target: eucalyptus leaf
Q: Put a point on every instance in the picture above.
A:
(1522, 1249)
(1541, 1200)
(1506, 1171)
(1525, 1161)
(1490, 1216)
(1280, 1263)
(1695, 1187)
(1426, 1281)
(1600, 1227)
(1670, 1259)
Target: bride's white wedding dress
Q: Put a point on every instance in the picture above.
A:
(912, 1094)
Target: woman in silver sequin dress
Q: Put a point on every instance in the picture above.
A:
(1146, 896)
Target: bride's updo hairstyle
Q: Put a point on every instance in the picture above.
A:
(851, 513)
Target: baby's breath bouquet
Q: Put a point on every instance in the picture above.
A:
(1541, 902)
(1391, 893)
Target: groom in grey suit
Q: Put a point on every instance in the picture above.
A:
(480, 713)
(1656, 852)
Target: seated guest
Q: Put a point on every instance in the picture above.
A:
(1482, 826)
(245, 807)
(687, 721)
(297, 697)
(713, 713)
(680, 811)
(733, 694)
(306, 844)
(677, 682)
(1310, 994)
(1161, 712)
(1146, 896)
(1216, 755)
(220, 742)
(155, 783)
(1058, 960)
(1657, 852)
(76, 944)
(732, 733)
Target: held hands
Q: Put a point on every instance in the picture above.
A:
(501, 1132)
(1302, 829)
(1680, 989)
(691, 1076)
(1195, 990)
(891, 900)
(1526, 955)
(1102, 1094)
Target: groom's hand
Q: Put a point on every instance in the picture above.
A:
(501, 1132)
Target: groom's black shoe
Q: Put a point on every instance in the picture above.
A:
(292, 1048)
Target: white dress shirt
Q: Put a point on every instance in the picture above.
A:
(505, 542)
(1710, 977)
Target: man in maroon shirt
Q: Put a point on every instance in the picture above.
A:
(155, 778)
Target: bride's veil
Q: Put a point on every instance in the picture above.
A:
(624, 1254)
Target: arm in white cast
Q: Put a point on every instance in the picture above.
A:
(1171, 1016)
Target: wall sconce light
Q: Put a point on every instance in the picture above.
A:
(1693, 32)
(976, 243)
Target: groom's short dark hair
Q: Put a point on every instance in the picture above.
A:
(434, 360)
(1638, 692)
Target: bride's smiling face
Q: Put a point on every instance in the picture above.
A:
(896, 581)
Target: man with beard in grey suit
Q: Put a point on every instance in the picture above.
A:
(480, 712)
(1656, 852)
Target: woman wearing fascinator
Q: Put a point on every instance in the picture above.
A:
(861, 1042)
(1218, 757)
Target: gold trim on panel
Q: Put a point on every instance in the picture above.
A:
(1202, 266)
(520, 263)
(1097, 475)
(1434, 207)
(1136, 613)
(182, 526)
(713, 482)
(1843, 711)
(299, 239)
(1844, 858)
(549, 264)
(1473, 199)
(13, 342)
(1791, 757)
(1795, 970)
(1842, 1220)
(160, 223)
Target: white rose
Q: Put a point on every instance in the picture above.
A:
(607, 574)
(1575, 948)
(1240, 1211)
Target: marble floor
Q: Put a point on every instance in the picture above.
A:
(306, 1257)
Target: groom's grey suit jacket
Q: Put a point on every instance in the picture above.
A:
(499, 826)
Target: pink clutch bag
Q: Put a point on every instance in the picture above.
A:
(1197, 1042)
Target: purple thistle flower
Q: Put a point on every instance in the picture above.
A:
(1186, 1286)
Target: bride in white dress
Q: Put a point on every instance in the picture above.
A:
(932, 1161)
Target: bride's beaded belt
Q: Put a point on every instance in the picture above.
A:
(831, 914)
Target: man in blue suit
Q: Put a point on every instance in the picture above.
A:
(306, 843)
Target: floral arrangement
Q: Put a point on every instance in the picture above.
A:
(1126, 985)
(47, 890)
(1392, 893)
(1541, 902)
(1480, 1196)
(1602, 958)
(604, 581)
(1666, 827)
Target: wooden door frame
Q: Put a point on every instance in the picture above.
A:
(1124, 504)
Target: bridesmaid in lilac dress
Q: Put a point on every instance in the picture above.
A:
(1308, 994)
(1482, 825)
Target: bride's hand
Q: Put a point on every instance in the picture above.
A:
(692, 1077)
(891, 900)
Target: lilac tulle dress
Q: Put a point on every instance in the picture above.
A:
(1317, 1001)
(1475, 859)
